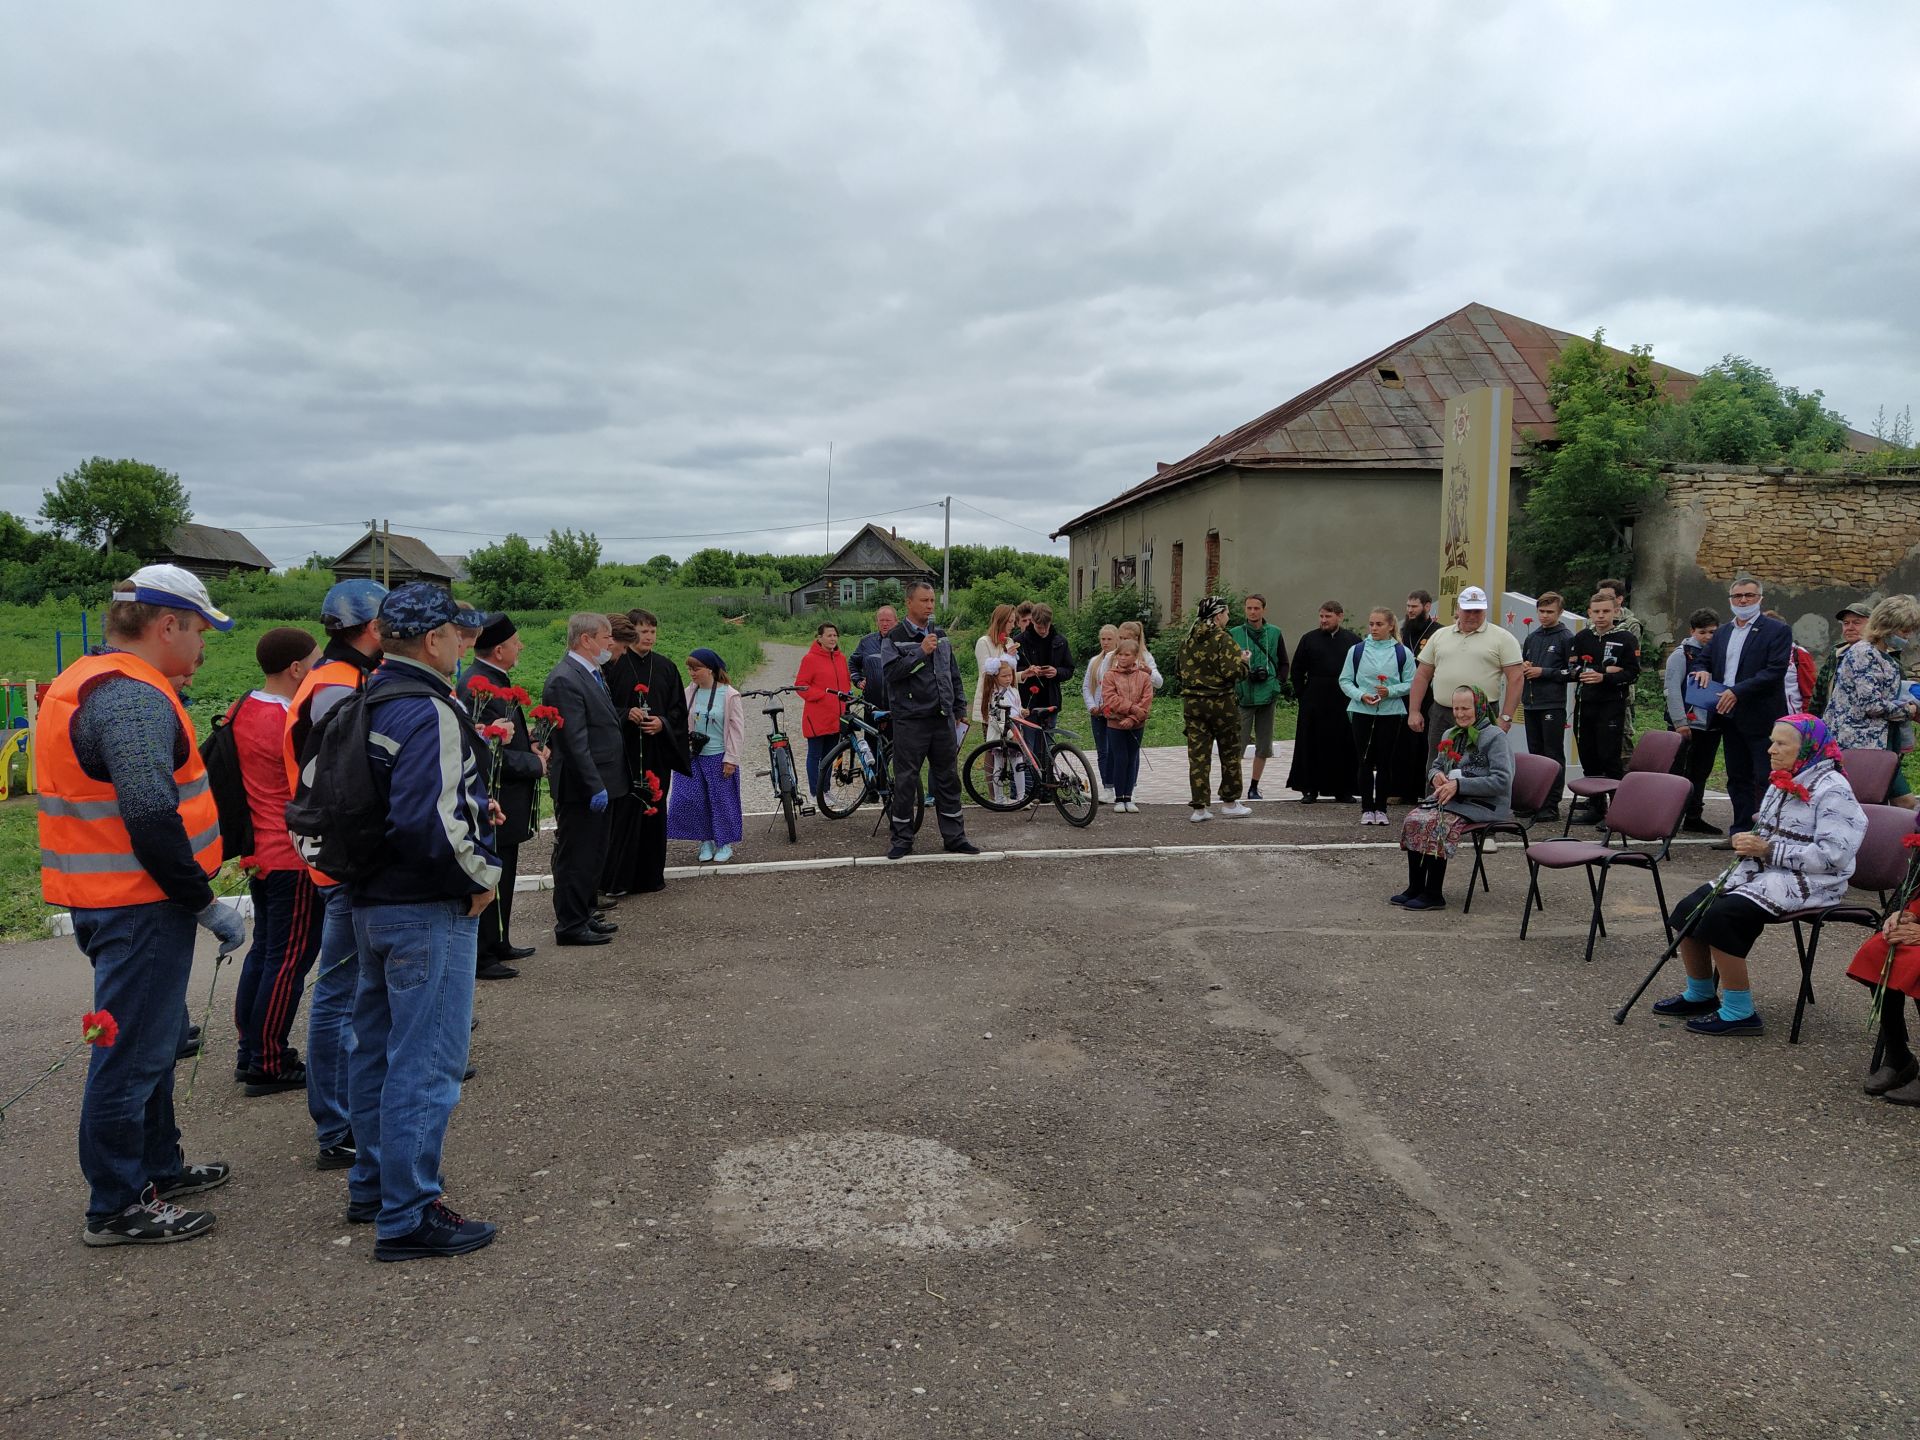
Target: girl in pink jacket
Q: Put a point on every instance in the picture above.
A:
(1126, 695)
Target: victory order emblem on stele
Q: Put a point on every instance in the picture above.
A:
(1476, 484)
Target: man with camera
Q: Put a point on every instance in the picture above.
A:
(1266, 653)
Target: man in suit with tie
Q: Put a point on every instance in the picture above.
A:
(522, 763)
(588, 768)
(1750, 657)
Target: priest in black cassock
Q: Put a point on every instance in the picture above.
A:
(1323, 758)
(1408, 781)
(651, 697)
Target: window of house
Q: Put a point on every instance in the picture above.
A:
(867, 587)
(849, 591)
(1213, 562)
(1079, 585)
(1124, 567)
(1174, 597)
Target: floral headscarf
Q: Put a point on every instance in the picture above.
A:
(1816, 744)
(1464, 737)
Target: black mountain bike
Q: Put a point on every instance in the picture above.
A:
(859, 766)
(1031, 764)
(786, 782)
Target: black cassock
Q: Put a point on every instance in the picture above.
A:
(1323, 759)
(1408, 779)
(637, 842)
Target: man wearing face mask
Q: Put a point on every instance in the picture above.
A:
(1748, 660)
(588, 768)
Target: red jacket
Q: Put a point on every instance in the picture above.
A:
(822, 670)
(259, 730)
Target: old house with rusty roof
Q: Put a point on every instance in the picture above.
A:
(212, 553)
(1334, 494)
(392, 560)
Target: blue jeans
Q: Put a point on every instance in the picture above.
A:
(1123, 758)
(817, 747)
(330, 1021)
(411, 1018)
(1102, 751)
(141, 957)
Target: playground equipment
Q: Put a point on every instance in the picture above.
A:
(20, 714)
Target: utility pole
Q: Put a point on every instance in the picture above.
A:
(829, 499)
(386, 553)
(946, 554)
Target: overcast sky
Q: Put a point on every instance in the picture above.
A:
(505, 266)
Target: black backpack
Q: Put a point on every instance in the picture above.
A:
(220, 753)
(338, 816)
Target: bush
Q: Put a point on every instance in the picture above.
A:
(1108, 607)
(514, 576)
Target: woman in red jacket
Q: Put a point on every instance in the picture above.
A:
(822, 669)
(1892, 957)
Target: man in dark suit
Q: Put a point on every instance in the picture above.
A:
(1750, 657)
(588, 768)
(522, 763)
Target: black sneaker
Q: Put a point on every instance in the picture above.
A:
(899, 852)
(191, 1046)
(440, 1233)
(963, 847)
(1685, 1009)
(149, 1221)
(362, 1212)
(1253, 793)
(192, 1179)
(337, 1157)
(1697, 825)
(291, 1077)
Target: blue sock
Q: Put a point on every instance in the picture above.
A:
(1736, 1004)
(1700, 989)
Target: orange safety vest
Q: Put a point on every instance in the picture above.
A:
(300, 725)
(86, 857)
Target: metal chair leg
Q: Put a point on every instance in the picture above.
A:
(1533, 894)
(1660, 894)
(1479, 864)
(1596, 924)
(1807, 950)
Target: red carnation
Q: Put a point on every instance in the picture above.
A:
(1912, 842)
(97, 1027)
(497, 730)
(641, 688)
(480, 685)
(653, 784)
(515, 694)
(1781, 780)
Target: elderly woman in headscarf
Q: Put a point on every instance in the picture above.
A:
(1870, 701)
(1210, 666)
(1470, 781)
(1797, 857)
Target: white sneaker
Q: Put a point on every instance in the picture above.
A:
(1235, 808)
(1106, 796)
(1197, 816)
(1129, 806)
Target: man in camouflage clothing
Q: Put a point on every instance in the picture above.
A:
(1211, 665)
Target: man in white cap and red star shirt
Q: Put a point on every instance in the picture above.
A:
(1468, 652)
(129, 842)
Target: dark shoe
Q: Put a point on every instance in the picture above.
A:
(1678, 1007)
(1694, 825)
(338, 1157)
(291, 1077)
(1546, 813)
(1586, 815)
(1402, 898)
(517, 952)
(580, 937)
(609, 897)
(899, 852)
(193, 1179)
(362, 1212)
(1309, 798)
(602, 927)
(1908, 1094)
(189, 1047)
(607, 902)
(440, 1233)
(149, 1221)
(1253, 793)
(496, 970)
(963, 847)
(472, 1070)
(1425, 902)
(240, 1073)
(1891, 1077)
(1714, 1025)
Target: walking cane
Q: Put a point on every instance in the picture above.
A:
(1686, 929)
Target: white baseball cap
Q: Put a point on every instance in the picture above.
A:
(1471, 598)
(174, 588)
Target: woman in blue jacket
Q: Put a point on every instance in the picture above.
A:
(1376, 678)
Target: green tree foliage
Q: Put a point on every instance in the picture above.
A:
(1740, 415)
(117, 505)
(576, 556)
(659, 570)
(710, 569)
(1108, 607)
(514, 575)
(35, 566)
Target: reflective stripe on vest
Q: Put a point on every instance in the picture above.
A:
(343, 673)
(86, 857)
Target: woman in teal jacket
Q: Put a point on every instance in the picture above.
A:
(1376, 677)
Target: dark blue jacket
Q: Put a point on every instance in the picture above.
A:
(432, 770)
(1760, 685)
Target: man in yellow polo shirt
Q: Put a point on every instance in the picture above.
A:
(1469, 652)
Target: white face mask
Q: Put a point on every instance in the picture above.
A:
(604, 657)
(1748, 613)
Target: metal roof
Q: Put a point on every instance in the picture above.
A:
(211, 544)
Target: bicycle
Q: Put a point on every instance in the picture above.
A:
(859, 765)
(1006, 775)
(786, 783)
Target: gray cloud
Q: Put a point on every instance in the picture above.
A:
(511, 266)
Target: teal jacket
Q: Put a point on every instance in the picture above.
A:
(1274, 648)
(1377, 658)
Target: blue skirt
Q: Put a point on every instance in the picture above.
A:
(705, 805)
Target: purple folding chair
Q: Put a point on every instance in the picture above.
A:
(1647, 808)
(1654, 751)
(1870, 773)
(1879, 865)
(1534, 777)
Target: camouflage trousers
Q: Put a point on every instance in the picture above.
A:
(1213, 721)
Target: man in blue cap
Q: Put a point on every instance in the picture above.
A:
(352, 651)
(416, 925)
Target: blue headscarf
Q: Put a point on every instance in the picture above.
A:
(711, 659)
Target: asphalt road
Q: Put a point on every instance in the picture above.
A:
(1198, 1145)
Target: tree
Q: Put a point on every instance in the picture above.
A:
(117, 505)
(577, 556)
(513, 575)
(710, 569)
(1740, 415)
(660, 569)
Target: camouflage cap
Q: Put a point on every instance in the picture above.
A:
(421, 607)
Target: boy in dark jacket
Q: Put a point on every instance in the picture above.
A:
(1607, 662)
(1046, 663)
(1547, 653)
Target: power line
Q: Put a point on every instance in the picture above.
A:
(1004, 521)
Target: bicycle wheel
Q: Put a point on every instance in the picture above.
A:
(783, 783)
(997, 777)
(1074, 793)
(843, 782)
